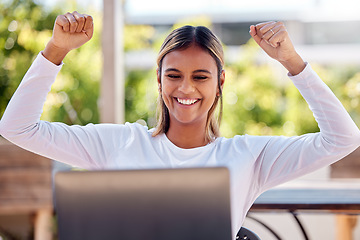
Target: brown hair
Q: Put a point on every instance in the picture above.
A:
(183, 38)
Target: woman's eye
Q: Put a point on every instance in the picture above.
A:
(200, 78)
(173, 76)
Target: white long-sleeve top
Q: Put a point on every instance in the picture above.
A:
(256, 163)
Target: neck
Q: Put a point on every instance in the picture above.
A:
(187, 135)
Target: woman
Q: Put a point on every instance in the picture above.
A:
(190, 77)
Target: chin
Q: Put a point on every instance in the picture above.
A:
(189, 121)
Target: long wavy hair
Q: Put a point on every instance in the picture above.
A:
(179, 39)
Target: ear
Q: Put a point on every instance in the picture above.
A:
(158, 76)
(222, 80)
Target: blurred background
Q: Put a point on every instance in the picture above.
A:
(258, 97)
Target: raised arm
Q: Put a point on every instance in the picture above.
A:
(281, 159)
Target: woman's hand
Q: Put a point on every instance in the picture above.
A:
(274, 39)
(71, 31)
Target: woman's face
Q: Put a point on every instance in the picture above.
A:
(189, 84)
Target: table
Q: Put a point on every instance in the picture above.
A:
(25, 189)
(341, 196)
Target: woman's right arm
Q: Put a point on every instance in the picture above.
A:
(20, 124)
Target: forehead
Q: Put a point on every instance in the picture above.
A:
(191, 58)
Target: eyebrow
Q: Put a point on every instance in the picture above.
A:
(172, 70)
(196, 71)
(202, 71)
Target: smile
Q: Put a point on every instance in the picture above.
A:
(187, 101)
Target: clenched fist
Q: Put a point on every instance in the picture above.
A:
(71, 31)
(274, 39)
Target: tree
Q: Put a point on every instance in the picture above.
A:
(25, 28)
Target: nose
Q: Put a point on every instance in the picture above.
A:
(186, 86)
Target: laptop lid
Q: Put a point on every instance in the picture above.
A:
(161, 204)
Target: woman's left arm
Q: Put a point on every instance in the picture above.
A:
(283, 158)
(331, 116)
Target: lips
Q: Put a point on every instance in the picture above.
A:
(187, 101)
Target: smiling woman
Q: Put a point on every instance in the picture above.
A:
(199, 71)
(190, 91)
(190, 77)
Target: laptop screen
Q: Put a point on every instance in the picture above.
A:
(189, 203)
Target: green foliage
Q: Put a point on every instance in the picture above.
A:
(344, 81)
(25, 28)
(140, 96)
(140, 84)
(20, 40)
(256, 101)
(253, 99)
(137, 37)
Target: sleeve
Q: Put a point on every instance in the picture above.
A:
(280, 159)
(81, 146)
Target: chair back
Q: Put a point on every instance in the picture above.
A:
(246, 234)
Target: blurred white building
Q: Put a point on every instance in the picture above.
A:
(324, 31)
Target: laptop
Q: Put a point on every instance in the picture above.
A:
(161, 204)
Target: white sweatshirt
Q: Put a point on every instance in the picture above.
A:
(256, 163)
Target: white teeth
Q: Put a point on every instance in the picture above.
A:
(186, 101)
